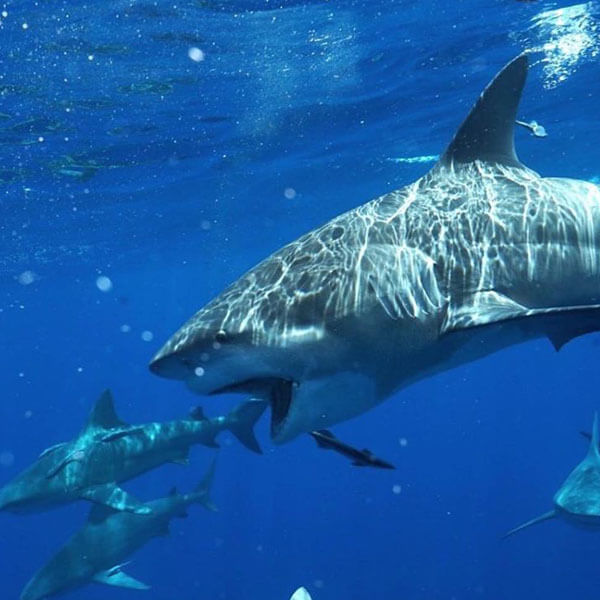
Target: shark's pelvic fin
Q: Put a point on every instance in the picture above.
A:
(593, 447)
(117, 577)
(487, 134)
(545, 517)
(301, 594)
(241, 423)
(115, 497)
(201, 492)
(103, 414)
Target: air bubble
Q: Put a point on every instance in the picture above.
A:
(198, 371)
(26, 277)
(289, 193)
(397, 489)
(104, 284)
(147, 336)
(196, 54)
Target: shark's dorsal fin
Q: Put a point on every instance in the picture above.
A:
(103, 414)
(487, 134)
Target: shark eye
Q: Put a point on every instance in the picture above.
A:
(221, 336)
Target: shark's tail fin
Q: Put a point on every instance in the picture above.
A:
(549, 515)
(301, 594)
(241, 421)
(201, 493)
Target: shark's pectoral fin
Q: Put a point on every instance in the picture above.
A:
(118, 578)
(111, 436)
(115, 497)
(549, 515)
(52, 449)
(487, 307)
(482, 308)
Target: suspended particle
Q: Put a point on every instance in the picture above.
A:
(196, 54)
(104, 284)
(147, 336)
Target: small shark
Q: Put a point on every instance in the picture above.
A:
(109, 451)
(578, 499)
(478, 254)
(360, 458)
(97, 551)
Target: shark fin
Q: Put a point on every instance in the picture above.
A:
(559, 335)
(545, 517)
(103, 414)
(52, 449)
(197, 414)
(109, 494)
(487, 133)
(241, 422)
(301, 594)
(486, 307)
(201, 492)
(118, 578)
(593, 448)
(121, 433)
(586, 435)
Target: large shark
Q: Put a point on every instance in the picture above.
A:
(97, 551)
(578, 499)
(109, 451)
(479, 254)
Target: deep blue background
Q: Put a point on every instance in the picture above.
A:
(188, 164)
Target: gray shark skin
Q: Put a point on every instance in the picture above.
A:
(109, 451)
(479, 254)
(97, 551)
(578, 499)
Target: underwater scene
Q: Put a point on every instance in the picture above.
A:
(299, 299)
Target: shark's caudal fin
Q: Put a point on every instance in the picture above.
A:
(241, 421)
(545, 517)
(103, 415)
(201, 493)
(301, 594)
(487, 134)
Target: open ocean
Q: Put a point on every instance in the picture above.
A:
(151, 153)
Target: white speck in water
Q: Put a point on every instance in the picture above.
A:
(90, 57)
(289, 193)
(104, 284)
(28, 414)
(403, 442)
(24, 26)
(7, 458)
(198, 371)
(21, 374)
(41, 138)
(397, 489)
(196, 54)
(147, 336)
(26, 277)
(259, 548)
(80, 369)
(4, 14)
(205, 225)
(125, 328)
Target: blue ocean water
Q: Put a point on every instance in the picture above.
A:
(169, 146)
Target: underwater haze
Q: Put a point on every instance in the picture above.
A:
(151, 153)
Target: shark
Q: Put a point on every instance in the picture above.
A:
(301, 594)
(479, 254)
(578, 499)
(96, 552)
(109, 451)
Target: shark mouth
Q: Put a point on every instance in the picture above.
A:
(279, 393)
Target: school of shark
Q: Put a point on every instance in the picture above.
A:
(479, 254)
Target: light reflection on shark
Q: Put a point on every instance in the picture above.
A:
(479, 254)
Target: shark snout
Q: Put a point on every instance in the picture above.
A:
(171, 366)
